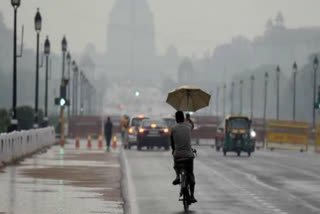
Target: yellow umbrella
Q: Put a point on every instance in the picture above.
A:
(188, 98)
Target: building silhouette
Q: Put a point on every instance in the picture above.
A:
(130, 47)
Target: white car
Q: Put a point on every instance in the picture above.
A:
(134, 124)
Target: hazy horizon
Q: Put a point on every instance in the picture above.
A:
(199, 22)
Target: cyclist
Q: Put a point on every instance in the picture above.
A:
(182, 150)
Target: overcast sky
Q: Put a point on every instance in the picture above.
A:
(193, 26)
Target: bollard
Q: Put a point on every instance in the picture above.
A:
(100, 142)
(114, 142)
(77, 142)
(89, 144)
(62, 142)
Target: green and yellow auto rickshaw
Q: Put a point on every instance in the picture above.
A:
(239, 137)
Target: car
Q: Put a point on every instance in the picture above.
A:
(134, 124)
(170, 121)
(153, 133)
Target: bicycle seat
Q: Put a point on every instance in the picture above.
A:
(181, 159)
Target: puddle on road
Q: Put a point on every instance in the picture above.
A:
(63, 181)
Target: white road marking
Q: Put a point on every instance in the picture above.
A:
(252, 195)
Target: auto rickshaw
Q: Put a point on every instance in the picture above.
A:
(238, 136)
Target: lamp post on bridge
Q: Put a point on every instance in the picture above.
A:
(14, 122)
(217, 101)
(241, 96)
(47, 53)
(75, 80)
(37, 24)
(295, 70)
(68, 86)
(266, 78)
(315, 68)
(224, 100)
(252, 96)
(64, 46)
(81, 92)
(232, 98)
(278, 91)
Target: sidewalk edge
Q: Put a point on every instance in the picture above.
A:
(127, 188)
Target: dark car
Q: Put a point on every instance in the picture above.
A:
(153, 133)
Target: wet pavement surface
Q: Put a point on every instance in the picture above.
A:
(278, 182)
(63, 180)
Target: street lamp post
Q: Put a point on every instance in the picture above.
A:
(74, 87)
(241, 96)
(217, 101)
(14, 122)
(46, 52)
(232, 98)
(295, 70)
(68, 86)
(76, 102)
(315, 68)
(266, 77)
(278, 91)
(64, 46)
(37, 25)
(89, 97)
(224, 100)
(252, 96)
(81, 93)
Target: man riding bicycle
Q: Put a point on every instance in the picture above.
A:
(182, 151)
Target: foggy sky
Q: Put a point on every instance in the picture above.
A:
(193, 26)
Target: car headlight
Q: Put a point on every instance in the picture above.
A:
(253, 134)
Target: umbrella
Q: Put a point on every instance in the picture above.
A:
(188, 98)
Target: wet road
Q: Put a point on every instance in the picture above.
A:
(63, 180)
(276, 182)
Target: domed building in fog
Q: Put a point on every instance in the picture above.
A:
(130, 47)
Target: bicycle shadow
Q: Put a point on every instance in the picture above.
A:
(183, 212)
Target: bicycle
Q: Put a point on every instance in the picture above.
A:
(185, 192)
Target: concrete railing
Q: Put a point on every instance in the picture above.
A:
(15, 145)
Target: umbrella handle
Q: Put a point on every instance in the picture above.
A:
(188, 96)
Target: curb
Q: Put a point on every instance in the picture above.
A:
(128, 189)
(124, 184)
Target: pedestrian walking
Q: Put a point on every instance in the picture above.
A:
(108, 132)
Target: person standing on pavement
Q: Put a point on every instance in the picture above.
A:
(108, 132)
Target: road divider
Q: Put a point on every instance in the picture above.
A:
(288, 135)
(16, 145)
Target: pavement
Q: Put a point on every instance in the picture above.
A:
(279, 182)
(64, 180)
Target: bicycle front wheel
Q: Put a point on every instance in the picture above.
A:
(185, 202)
